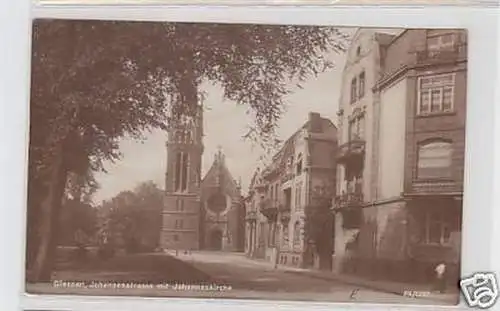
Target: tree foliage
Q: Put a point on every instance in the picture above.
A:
(133, 219)
(95, 82)
(78, 222)
(318, 225)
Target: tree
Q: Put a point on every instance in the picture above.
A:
(77, 216)
(134, 218)
(95, 82)
(318, 226)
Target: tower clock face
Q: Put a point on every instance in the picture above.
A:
(217, 202)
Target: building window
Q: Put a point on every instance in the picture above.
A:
(289, 164)
(358, 51)
(298, 196)
(285, 235)
(362, 83)
(436, 94)
(356, 128)
(176, 238)
(179, 224)
(296, 234)
(437, 230)
(298, 165)
(354, 92)
(434, 160)
(441, 42)
(181, 171)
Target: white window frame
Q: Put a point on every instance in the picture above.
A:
(440, 45)
(438, 86)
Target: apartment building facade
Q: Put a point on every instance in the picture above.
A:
(280, 193)
(404, 216)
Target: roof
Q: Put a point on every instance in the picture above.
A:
(287, 150)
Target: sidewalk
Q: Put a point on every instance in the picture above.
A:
(403, 289)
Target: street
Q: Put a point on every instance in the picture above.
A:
(237, 276)
(258, 279)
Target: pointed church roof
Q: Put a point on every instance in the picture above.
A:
(219, 175)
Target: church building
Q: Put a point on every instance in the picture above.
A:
(222, 213)
(199, 213)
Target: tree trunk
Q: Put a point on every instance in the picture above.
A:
(50, 208)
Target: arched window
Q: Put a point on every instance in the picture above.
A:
(434, 160)
(296, 234)
(181, 172)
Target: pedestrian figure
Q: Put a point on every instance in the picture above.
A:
(440, 280)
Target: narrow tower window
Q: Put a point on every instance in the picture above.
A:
(181, 172)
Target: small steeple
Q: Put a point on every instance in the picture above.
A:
(219, 156)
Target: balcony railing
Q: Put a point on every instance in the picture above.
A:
(353, 149)
(353, 198)
(269, 209)
(251, 215)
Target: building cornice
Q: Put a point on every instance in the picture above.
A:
(405, 69)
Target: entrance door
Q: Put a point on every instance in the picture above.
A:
(216, 240)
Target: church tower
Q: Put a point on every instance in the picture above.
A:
(181, 210)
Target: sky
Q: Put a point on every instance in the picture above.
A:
(224, 125)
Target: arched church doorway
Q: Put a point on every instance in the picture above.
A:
(215, 240)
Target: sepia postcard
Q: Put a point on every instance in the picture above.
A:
(246, 161)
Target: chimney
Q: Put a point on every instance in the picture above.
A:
(315, 122)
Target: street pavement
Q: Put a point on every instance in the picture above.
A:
(259, 279)
(242, 277)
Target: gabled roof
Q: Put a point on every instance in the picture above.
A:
(219, 170)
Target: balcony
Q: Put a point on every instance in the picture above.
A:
(446, 54)
(284, 211)
(350, 199)
(261, 187)
(251, 216)
(352, 151)
(269, 209)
